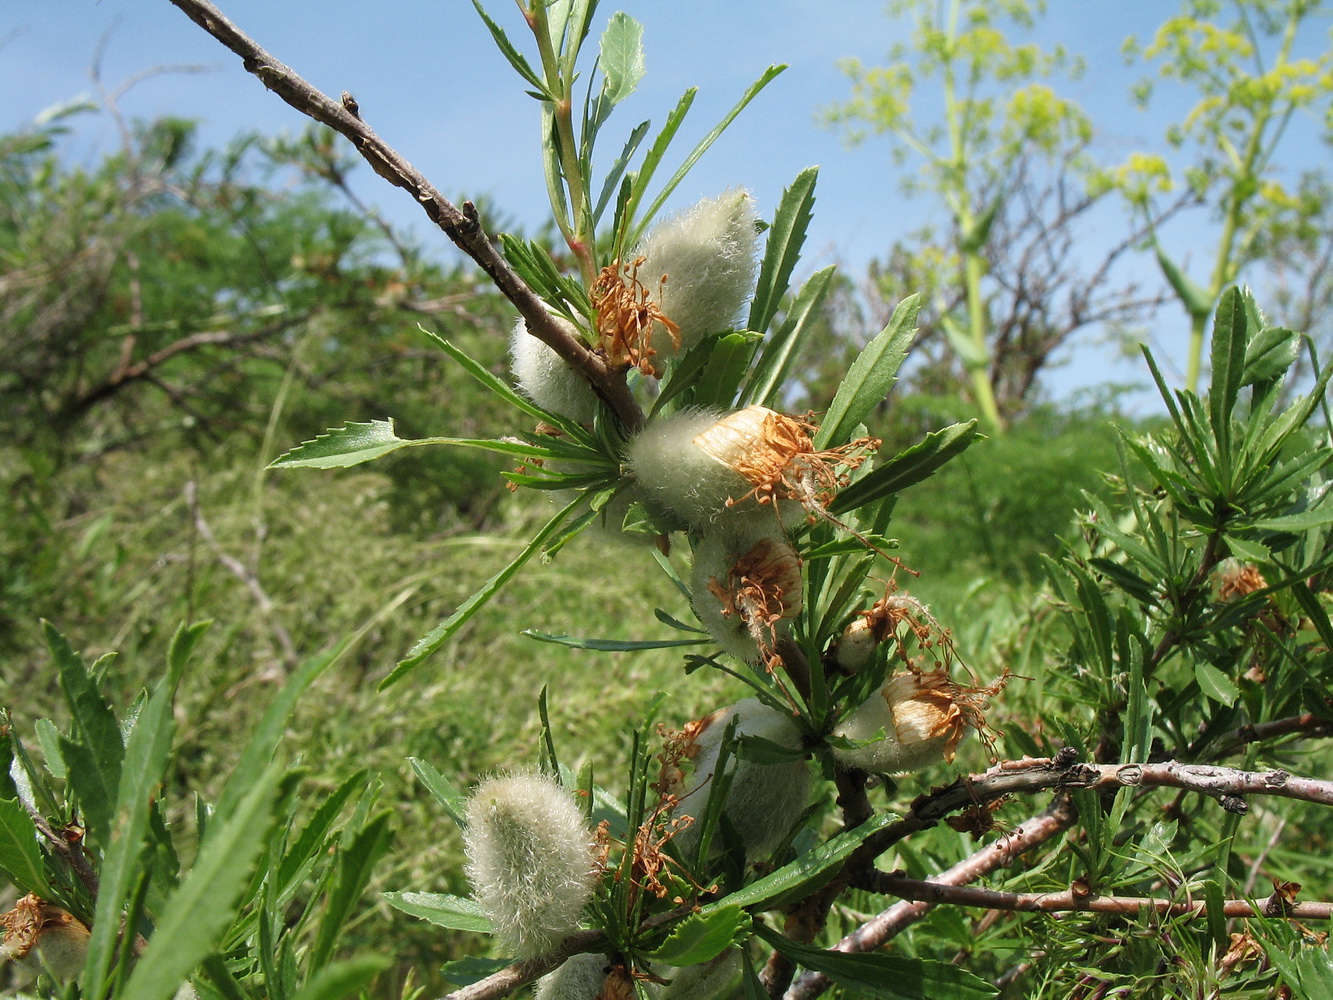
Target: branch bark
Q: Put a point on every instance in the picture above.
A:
(462, 226)
(1050, 823)
(1071, 901)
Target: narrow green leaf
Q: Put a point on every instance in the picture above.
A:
(440, 634)
(701, 937)
(1228, 364)
(342, 979)
(1214, 684)
(621, 57)
(48, 738)
(609, 645)
(443, 910)
(702, 147)
(1269, 354)
(479, 372)
(259, 751)
(617, 171)
(870, 376)
(93, 757)
(783, 248)
(196, 914)
(341, 447)
(312, 843)
(515, 57)
(444, 790)
(1303, 521)
(907, 467)
(779, 352)
(356, 862)
(147, 755)
(640, 179)
(20, 857)
(886, 976)
(791, 879)
(728, 363)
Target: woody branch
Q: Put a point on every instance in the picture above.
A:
(462, 226)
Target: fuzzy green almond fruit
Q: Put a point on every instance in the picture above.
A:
(702, 465)
(580, 977)
(764, 800)
(546, 378)
(746, 587)
(699, 268)
(913, 721)
(529, 859)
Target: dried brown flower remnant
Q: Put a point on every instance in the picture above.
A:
(747, 584)
(776, 455)
(59, 937)
(914, 720)
(762, 588)
(1239, 580)
(626, 313)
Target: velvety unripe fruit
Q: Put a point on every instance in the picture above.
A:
(707, 256)
(40, 936)
(922, 717)
(581, 977)
(764, 800)
(701, 465)
(546, 378)
(529, 858)
(746, 586)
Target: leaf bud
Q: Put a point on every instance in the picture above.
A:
(529, 859)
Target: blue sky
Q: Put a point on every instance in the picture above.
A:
(430, 81)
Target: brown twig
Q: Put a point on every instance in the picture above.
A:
(518, 975)
(462, 226)
(1052, 821)
(71, 852)
(1073, 901)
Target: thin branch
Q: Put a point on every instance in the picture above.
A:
(245, 575)
(1227, 785)
(71, 852)
(462, 226)
(1307, 724)
(518, 975)
(1072, 901)
(1051, 822)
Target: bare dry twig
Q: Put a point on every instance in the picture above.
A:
(1072, 901)
(462, 226)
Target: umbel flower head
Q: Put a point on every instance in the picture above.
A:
(699, 464)
(764, 800)
(914, 720)
(530, 861)
(546, 378)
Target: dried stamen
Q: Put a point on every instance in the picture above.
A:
(626, 316)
